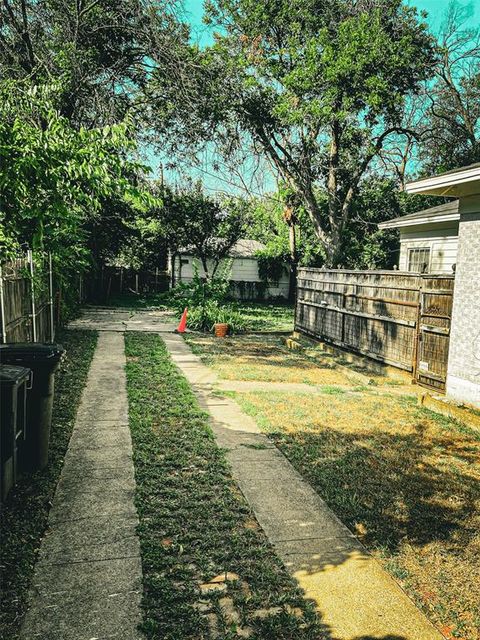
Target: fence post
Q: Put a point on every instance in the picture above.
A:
(50, 297)
(32, 294)
(3, 325)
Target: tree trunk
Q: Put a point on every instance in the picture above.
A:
(292, 286)
(205, 267)
(173, 256)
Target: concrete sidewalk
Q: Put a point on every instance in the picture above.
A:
(88, 579)
(355, 597)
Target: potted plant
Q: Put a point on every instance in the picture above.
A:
(221, 329)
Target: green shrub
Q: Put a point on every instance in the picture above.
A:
(199, 292)
(203, 316)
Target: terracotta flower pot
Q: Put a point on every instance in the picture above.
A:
(221, 329)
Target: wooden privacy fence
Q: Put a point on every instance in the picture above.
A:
(401, 319)
(26, 301)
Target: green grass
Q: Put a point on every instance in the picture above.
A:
(24, 514)
(258, 316)
(194, 522)
(263, 316)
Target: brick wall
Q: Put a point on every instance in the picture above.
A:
(463, 380)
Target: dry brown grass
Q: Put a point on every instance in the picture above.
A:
(267, 359)
(405, 480)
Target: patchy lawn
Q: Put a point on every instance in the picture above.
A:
(263, 316)
(404, 479)
(208, 569)
(258, 316)
(266, 358)
(24, 515)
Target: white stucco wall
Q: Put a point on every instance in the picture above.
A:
(242, 270)
(441, 239)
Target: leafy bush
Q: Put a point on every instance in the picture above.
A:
(206, 302)
(203, 317)
(198, 292)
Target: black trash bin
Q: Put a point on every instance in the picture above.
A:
(13, 399)
(43, 360)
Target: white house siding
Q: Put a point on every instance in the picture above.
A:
(463, 377)
(441, 239)
(241, 270)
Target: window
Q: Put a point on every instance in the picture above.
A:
(419, 260)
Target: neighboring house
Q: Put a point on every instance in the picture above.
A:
(428, 239)
(463, 374)
(243, 271)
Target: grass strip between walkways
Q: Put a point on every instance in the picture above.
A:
(209, 571)
(24, 515)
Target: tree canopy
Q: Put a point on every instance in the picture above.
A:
(341, 99)
(316, 87)
(53, 176)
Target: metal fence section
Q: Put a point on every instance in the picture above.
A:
(401, 319)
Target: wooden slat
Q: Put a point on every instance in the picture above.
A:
(379, 318)
(397, 318)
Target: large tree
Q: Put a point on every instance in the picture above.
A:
(205, 226)
(99, 51)
(316, 86)
(451, 131)
(54, 178)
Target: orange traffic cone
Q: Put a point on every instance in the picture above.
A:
(182, 325)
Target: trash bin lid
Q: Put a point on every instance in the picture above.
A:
(30, 351)
(10, 375)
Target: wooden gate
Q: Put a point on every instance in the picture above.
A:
(435, 313)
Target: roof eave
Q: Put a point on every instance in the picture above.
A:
(395, 224)
(461, 183)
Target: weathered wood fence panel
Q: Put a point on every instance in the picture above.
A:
(436, 301)
(26, 301)
(379, 314)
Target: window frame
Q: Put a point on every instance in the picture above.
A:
(418, 250)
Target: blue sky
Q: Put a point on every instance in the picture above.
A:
(192, 12)
(435, 9)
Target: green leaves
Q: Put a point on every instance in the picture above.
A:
(317, 86)
(53, 177)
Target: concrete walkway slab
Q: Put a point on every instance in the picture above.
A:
(355, 597)
(152, 320)
(88, 579)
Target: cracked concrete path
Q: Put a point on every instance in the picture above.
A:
(88, 578)
(355, 597)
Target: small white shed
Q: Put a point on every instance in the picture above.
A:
(428, 239)
(243, 273)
